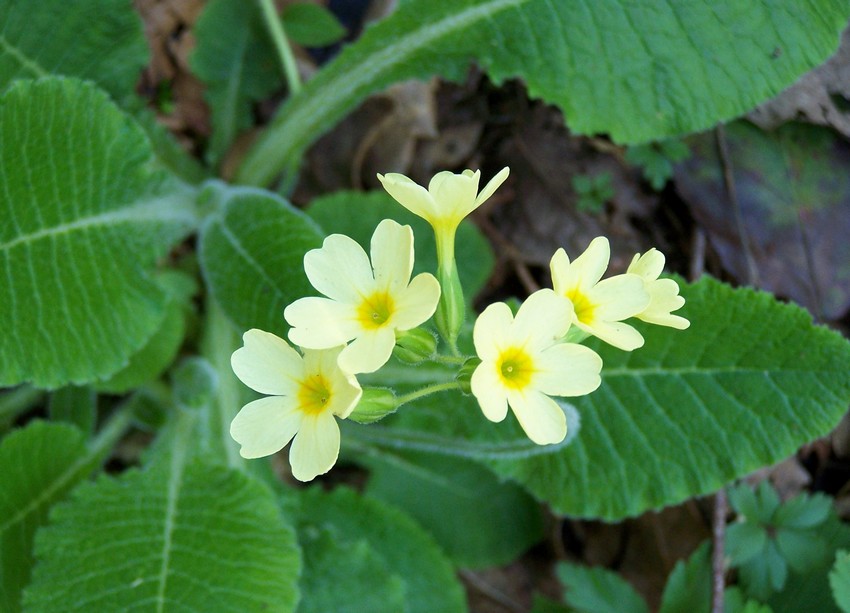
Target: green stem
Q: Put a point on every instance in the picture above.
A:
(427, 391)
(113, 430)
(284, 51)
(453, 360)
(18, 400)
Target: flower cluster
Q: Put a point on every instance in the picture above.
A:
(370, 308)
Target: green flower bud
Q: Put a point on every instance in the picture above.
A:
(464, 375)
(414, 346)
(375, 404)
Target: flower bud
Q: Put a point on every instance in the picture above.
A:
(464, 375)
(375, 404)
(414, 346)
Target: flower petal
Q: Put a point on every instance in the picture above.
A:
(490, 329)
(567, 369)
(411, 196)
(340, 269)
(564, 276)
(542, 320)
(267, 364)
(416, 303)
(664, 297)
(368, 352)
(620, 297)
(316, 446)
(620, 335)
(344, 389)
(320, 323)
(591, 265)
(647, 266)
(489, 392)
(454, 194)
(392, 255)
(542, 419)
(492, 186)
(265, 426)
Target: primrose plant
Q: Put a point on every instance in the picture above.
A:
(370, 308)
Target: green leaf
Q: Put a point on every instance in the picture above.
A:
(97, 40)
(637, 71)
(151, 360)
(744, 541)
(492, 522)
(340, 574)
(803, 511)
(39, 464)
(429, 580)
(598, 590)
(742, 498)
(86, 215)
(237, 62)
(357, 214)
(734, 601)
(312, 25)
(810, 591)
(839, 580)
(688, 588)
(252, 256)
(747, 384)
(801, 549)
(74, 405)
(193, 537)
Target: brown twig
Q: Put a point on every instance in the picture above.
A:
(732, 194)
(718, 534)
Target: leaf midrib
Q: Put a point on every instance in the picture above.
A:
(159, 209)
(316, 105)
(22, 59)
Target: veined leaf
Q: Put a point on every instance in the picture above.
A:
(40, 464)
(173, 537)
(97, 40)
(85, 215)
(237, 62)
(402, 546)
(598, 590)
(637, 71)
(745, 386)
(252, 255)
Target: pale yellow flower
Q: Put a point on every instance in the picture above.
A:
(663, 293)
(524, 361)
(449, 198)
(600, 306)
(366, 302)
(306, 393)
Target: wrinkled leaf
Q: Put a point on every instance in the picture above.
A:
(190, 537)
(86, 215)
(637, 71)
(252, 256)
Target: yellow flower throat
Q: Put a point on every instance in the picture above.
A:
(584, 308)
(375, 310)
(314, 394)
(515, 368)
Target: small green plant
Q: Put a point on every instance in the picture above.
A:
(593, 191)
(656, 160)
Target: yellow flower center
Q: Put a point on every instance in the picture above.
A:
(515, 367)
(375, 310)
(314, 395)
(584, 308)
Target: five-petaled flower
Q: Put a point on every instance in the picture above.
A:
(364, 302)
(600, 306)
(663, 293)
(306, 393)
(524, 361)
